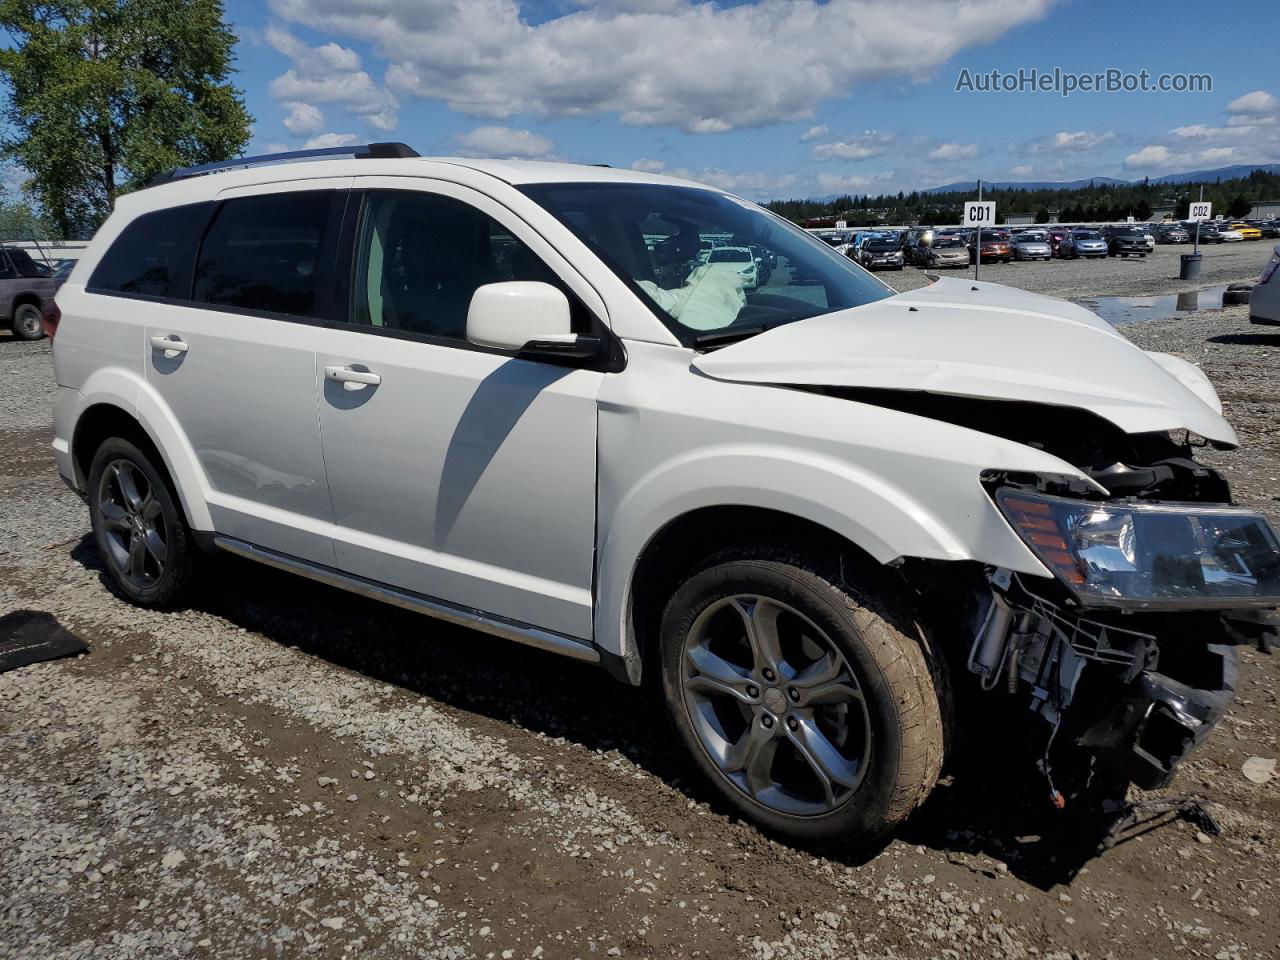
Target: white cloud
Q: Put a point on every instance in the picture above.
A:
(1023, 170)
(504, 142)
(329, 73)
(1201, 131)
(1071, 141)
(331, 140)
(852, 183)
(870, 143)
(1257, 101)
(954, 151)
(303, 118)
(669, 62)
(1157, 157)
(749, 183)
(813, 133)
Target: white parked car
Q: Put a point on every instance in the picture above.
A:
(470, 388)
(738, 262)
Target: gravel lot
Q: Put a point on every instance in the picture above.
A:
(284, 770)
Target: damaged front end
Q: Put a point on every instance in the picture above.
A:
(1129, 653)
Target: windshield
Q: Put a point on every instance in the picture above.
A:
(1088, 235)
(988, 237)
(944, 242)
(650, 236)
(882, 245)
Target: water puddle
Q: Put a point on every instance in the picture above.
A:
(1121, 310)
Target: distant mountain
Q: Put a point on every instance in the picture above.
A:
(971, 186)
(1234, 172)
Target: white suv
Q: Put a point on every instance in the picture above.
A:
(511, 395)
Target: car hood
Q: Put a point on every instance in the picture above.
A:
(976, 339)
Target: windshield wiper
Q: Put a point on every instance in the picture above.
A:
(722, 338)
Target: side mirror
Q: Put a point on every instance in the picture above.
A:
(526, 316)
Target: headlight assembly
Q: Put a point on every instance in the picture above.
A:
(1150, 556)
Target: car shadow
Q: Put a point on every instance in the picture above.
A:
(990, 801)
(1249, 339)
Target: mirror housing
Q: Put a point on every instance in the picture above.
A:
(511, 315)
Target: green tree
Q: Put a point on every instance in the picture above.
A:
(1042, 215)
(104, 94)
(1238, 207)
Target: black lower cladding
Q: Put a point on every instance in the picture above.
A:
(1159, 720)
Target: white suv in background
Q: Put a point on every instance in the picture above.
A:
(511, 395)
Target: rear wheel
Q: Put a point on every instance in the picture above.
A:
(27, 324)
(802, 700)
(140, 531)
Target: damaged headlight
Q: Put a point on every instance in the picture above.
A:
(1150, 556)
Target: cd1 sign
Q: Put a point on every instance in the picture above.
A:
(980, 213)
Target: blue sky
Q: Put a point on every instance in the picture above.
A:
(767, 98)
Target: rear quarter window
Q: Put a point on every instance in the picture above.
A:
(153, 255)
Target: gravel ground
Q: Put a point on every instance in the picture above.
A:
(284, 771)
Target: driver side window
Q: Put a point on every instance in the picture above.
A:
(421, 256)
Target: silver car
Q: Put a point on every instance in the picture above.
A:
(1264, 302)
(1082, 243)
(1031, 246)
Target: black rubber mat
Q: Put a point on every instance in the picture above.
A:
(30, 636)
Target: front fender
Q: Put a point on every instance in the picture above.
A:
(892, 483)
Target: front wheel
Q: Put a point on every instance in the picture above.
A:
(139, 528)
(806, 703)
(27, 322)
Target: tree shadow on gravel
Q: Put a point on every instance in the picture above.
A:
(990, 801)
(1248, 339)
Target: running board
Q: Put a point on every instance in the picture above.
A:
(439, 609)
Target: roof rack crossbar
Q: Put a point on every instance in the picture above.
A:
(361, 151)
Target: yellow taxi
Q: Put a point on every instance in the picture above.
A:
(1247, 231)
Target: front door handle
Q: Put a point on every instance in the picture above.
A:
(171, 346)
(352, 379)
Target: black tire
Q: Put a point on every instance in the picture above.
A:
(887, 654)
(27, 322)
(161, 581)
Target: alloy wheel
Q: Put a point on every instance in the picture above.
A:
(776, 705)
(133, 525)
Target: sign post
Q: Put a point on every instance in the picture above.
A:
(1199, 211)
(978, 214)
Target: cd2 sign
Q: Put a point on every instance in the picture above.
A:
(980, 213)
(1200, 211)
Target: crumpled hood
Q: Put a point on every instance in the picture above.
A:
(978, 339)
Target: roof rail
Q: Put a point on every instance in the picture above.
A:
(364, 151)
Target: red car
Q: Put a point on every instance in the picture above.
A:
(995, 248)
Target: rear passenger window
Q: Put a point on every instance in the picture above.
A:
(153, 254)
(262, 253)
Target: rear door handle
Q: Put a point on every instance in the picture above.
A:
(352, 379)
(171, 346)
